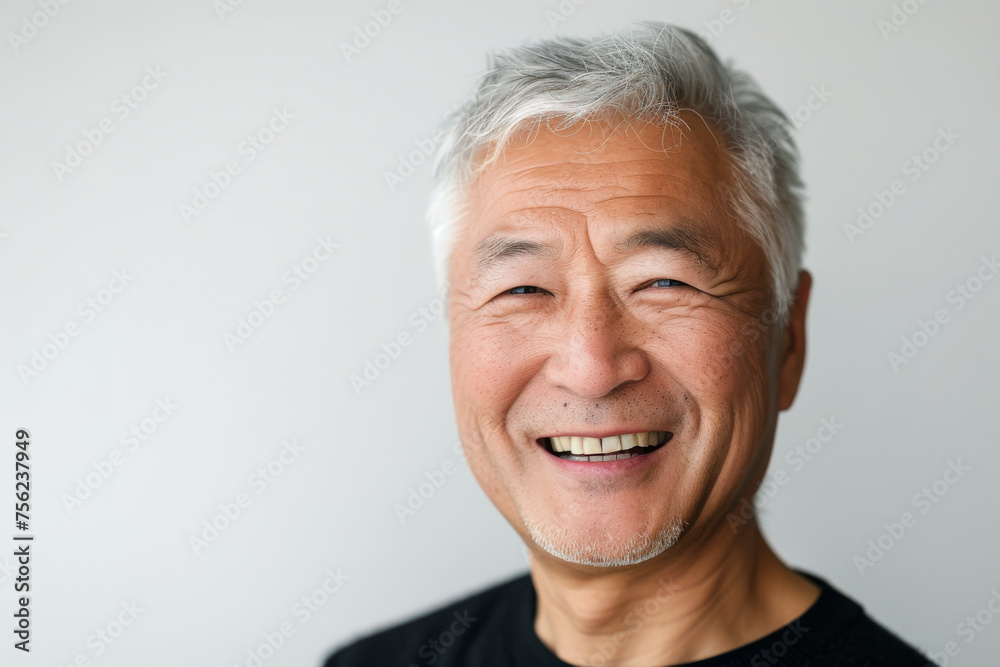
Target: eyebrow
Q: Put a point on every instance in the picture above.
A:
(497, 248)
(682, 237)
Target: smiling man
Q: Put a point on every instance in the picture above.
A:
(619, 222)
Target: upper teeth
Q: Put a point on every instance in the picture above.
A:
(581, 445)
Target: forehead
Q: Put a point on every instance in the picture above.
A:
(602, 179)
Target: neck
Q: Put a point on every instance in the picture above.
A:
(698, 601)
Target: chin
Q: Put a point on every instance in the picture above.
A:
(603, 547)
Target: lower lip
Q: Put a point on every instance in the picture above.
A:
(591, 469)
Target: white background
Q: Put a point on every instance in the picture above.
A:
(162, 336)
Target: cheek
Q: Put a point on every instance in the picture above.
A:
(712, 355)
(490, 368)
(725, 374)
(493, 362)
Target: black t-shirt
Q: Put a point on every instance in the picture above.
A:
(495, 628)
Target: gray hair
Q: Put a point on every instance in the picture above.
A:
(648, 72)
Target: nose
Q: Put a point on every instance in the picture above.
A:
(600, 349)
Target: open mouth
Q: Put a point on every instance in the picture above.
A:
(611, 448)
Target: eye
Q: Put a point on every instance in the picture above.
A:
(525, 289)
(668, 282)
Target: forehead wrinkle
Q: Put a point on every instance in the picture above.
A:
(561, 175)
(613, 185)
(555, 161)
(540, 204)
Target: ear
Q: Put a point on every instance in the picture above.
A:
(792, 354)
